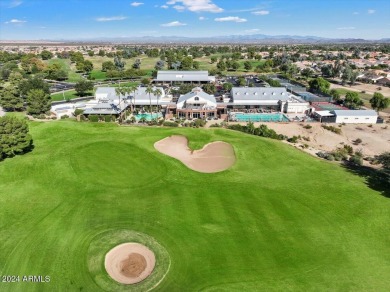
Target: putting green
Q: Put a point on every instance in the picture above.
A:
(278, 219)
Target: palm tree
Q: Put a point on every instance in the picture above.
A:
(157, 92)
(149, 90)
(120, 91)
(133, 89)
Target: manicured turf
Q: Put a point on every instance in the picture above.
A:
(278, 220)
(70, 94)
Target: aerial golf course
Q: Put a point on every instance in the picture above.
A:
(277, 220)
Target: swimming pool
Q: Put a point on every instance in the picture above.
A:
(241, 117)
(148, 117)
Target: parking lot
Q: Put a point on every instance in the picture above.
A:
(60, 86)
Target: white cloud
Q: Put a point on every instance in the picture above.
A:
(16, 21)
(346, 28)
(179, 8)
(253, 30)
(202, 18)
(15, 3)
(173, 23)
(370, 11)
(164, 6)
(261, 12)
(355, 13)
(136, 4)
(113, 18)
(197, 5)
(230, 18)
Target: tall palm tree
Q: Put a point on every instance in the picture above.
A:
(157, 92)
(149, 90)
(120, 91)
(133, 89)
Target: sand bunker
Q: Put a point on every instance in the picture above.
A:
(214, 157)
(129, 263)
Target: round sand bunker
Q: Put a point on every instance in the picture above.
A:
(213, 157)
(129, 263)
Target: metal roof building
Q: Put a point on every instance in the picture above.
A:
(184, 76)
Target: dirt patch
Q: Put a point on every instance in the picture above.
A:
(213, 157)
(133, 266)
(129, 263)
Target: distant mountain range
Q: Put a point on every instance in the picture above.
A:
(230, 39)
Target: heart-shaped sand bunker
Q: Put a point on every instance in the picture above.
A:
(213, 157)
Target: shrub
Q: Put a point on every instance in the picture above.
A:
(348, 149)
(332, 129)
(307, 126)
(170, 124)
(93, 118)
(108, 119)
(216, 125)
(357, 141)
(64, 117)
(356, 160)
(293, 139)
(78, 112)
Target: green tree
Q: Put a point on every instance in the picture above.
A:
(101, 53)
(33, 83)
(83, 86)
(10, 99)
(209, 88)
(319, 85)
(107, 66)
(352, 100)
(227, 86)
(38, 102)
(149, 90)
(46, 55)
(248, 65)
(157, 92)
(335, 95)
(14, 137)
(145, 81)
(213, 59)
(379, 102)
(307, 72)
(235, 65)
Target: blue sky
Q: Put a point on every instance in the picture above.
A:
(74, 19)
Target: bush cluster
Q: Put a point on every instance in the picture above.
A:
(262, 131)
(332, 129)
(170, 124)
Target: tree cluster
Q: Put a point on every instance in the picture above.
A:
(14, 137)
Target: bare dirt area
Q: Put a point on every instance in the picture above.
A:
(375, 139)
(129, 263)
(213, 157)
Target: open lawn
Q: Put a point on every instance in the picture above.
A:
(68, 67)
(70, 94)
(278, 220)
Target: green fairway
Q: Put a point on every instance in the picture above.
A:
(70, 94)
(278, 220)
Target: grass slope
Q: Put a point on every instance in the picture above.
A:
(279, 219)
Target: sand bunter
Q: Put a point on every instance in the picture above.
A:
(213, 157)
(129, 263)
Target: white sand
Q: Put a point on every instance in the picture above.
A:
(213, 157)
(118, 254)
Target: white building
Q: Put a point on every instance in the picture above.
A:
(276, 98)
(196, 104)
(184, 77)
(355, 116)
